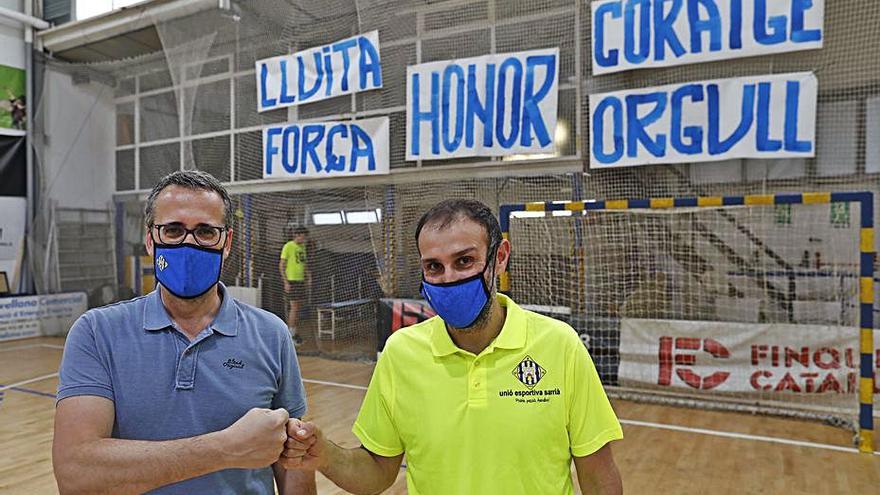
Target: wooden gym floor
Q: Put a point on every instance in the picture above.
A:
(666, 450)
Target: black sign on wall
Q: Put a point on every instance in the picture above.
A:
(13, 174)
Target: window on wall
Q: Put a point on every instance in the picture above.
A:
(125, 170)
(716, 172)
(125, 124)
(157, 162)
(209, 107)
(210, 155)
(837, 138)
(159, 117)
(775, 169)
(347, 217)
(93, 8)
(330, 218)
(363, 216)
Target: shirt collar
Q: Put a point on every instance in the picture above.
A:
(512, 336)
(156, 317)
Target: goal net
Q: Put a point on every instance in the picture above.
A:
(749, 303)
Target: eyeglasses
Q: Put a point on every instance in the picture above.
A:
(175, 233)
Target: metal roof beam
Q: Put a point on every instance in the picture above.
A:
(29, 20)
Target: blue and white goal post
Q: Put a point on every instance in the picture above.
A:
(758, 303)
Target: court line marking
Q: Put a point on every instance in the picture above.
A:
(335, 384)
(32, 391)
(21, 347)
(31, 346)
(30, 380)
(685, 429)
(741, 436)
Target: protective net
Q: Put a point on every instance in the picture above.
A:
(748, 307)
(192, 104)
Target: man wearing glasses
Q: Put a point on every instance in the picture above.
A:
(184, 390)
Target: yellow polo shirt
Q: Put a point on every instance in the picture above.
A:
(295, 254)
(507, 421)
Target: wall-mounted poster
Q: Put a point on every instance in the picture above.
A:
(12, 99)
(639, 34)
(344, 67)
(494, 105)
(770, 116)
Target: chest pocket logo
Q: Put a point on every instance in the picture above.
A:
(529, 372)
(233, 363)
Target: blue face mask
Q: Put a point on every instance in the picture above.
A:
(186, 270)
(459, 303)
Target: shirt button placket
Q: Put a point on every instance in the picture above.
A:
(477, 380)
(186, 369)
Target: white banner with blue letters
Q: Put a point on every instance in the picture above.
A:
(493, 105)
(636, 34)
(747, 117)
(347, 66)
(326, 149)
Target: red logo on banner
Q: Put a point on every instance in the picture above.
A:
(404, 314)
(669, 358)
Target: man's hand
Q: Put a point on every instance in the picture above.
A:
(257, 439)
(304, 448)
(286, 287)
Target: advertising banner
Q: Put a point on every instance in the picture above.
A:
(395, 314)
(742, 357)
(34, 316)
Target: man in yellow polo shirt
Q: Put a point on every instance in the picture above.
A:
(486, 398)
(294, 273)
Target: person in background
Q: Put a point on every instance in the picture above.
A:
(294, 273)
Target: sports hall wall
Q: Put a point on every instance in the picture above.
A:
(194, 105)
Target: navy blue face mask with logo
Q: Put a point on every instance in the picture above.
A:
(460, 303)
(186, 270)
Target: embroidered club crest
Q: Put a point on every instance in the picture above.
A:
(528, 372)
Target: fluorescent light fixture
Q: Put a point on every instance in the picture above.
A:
(332, 218)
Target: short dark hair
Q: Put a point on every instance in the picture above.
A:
(300, 230)
(189, 179)
(451, 210)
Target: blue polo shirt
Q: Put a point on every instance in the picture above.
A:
(166, 387)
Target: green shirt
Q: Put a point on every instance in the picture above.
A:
(507, 421)
(295, 254)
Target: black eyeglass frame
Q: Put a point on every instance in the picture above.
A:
(189, 232)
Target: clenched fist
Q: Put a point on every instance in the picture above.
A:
(304, 446)
(257, 439)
